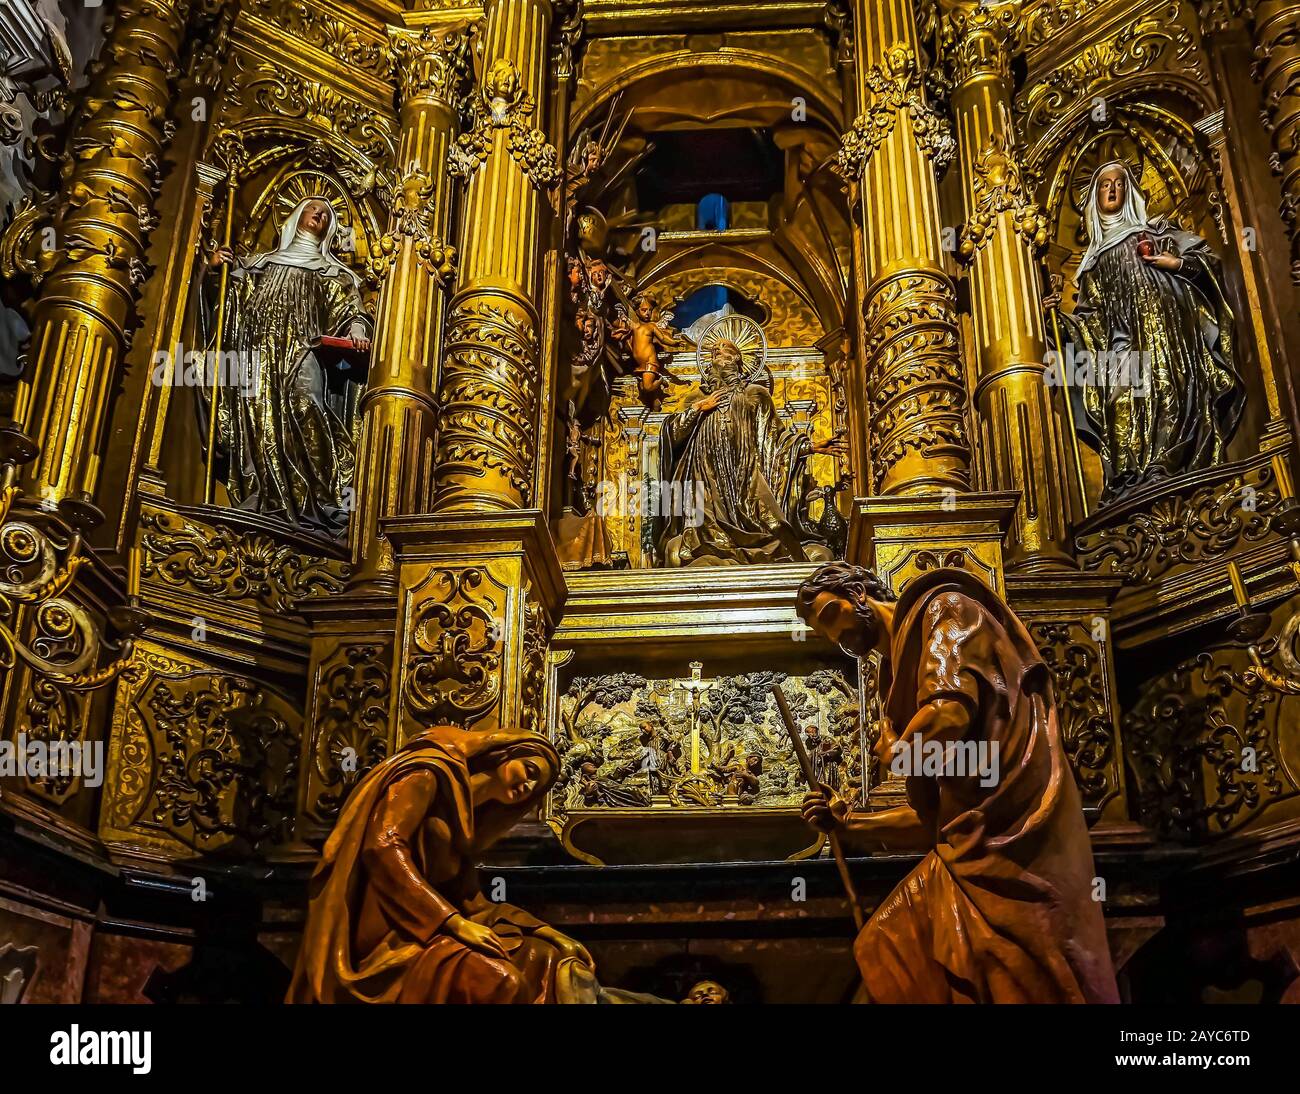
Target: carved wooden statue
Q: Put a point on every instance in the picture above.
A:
(396, 912)
(1001, 908)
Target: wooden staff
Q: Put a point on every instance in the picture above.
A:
(1065, 391)
(219, 334)
(810, 776)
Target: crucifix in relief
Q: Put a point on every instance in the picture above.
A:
(695, 689)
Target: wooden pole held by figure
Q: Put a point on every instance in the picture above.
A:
(810, 776)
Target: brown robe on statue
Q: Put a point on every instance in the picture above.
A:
(375, 926)
(1001, 910)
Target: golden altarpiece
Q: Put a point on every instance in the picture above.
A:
(553, 212)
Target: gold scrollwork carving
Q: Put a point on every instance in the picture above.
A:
(453, 669)
(321, 28)
(503, 103)
(488, 395)
(233, 565)
(1000, 188)
(916, 393)
(1191, 524)
(1208, 746)
(895, 86)
(351, 730)
(1083, 703)
(1158, 42)
(226, 768)
(282, 93)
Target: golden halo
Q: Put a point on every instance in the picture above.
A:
(743, 333)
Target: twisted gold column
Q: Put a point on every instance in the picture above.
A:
(83, 315)
(1277, 45)
(915, 389)
(394, 458)
(1020, 439)
(487, 429)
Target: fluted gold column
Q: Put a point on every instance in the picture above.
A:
(1020, 440)
(479, 583)
(487, 429)
(85, 311)
(1277, 45)
(395, 455)
(915, 389)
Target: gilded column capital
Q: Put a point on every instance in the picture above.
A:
(998, 186)
(430, 62)
(980, 41)
(501, 102)
(894, 87)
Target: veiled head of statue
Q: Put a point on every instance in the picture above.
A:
(1116, 210)
(313, 216)
(305, 240)
(509, 771)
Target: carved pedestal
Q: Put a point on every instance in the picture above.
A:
(902, 537)
(478, 599)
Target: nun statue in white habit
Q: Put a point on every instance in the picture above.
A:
(1149, 353)
(288, 453)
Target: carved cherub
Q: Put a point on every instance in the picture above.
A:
(644, 333)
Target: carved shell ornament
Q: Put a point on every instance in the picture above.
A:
(743, 333)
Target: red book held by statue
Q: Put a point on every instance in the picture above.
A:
(341, 358)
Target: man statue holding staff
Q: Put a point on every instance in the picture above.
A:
(1002, 908)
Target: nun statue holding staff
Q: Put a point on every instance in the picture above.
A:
(288, 454)
(1148, 354)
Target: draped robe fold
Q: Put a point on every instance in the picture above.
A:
(345, 958)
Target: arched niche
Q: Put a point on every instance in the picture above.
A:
(1150, 123)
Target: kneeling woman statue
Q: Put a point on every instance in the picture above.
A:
(396, 913)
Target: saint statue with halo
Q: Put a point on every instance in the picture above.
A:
(735, 465)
